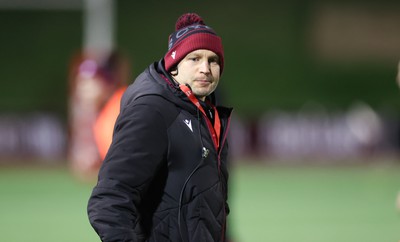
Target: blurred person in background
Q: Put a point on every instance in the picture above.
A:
(165, 175)
(95, 87)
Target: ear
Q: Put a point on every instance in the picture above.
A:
(174, 71)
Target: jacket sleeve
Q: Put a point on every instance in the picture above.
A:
(138, 148)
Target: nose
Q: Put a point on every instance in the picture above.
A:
(205, 67)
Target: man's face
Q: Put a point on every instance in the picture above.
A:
(200, 69)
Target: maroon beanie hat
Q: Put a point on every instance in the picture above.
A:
(191, 33)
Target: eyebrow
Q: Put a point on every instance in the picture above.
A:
(193, 55)
(216, 57)
(196, 55)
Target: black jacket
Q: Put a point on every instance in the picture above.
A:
(162, 179)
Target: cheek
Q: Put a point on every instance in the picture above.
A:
(182, 76)
(216, 77)
(216, 71)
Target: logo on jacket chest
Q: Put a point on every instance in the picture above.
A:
(188, 123)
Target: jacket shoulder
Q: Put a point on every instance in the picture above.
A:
(164, 107)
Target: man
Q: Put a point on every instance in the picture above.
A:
(165, 175)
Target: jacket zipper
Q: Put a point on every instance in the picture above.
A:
(219, 150)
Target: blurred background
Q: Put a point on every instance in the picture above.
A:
(315, 136)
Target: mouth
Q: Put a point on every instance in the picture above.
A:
(203, 83)
(203, 80)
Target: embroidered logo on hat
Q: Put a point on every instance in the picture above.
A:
(173, 55)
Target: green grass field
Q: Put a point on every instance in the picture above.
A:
(268, 203)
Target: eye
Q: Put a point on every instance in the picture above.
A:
(214, 60)
(195, 58)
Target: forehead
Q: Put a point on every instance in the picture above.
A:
(202, 52)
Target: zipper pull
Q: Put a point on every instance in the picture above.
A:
(211, 114)
(205, 152)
